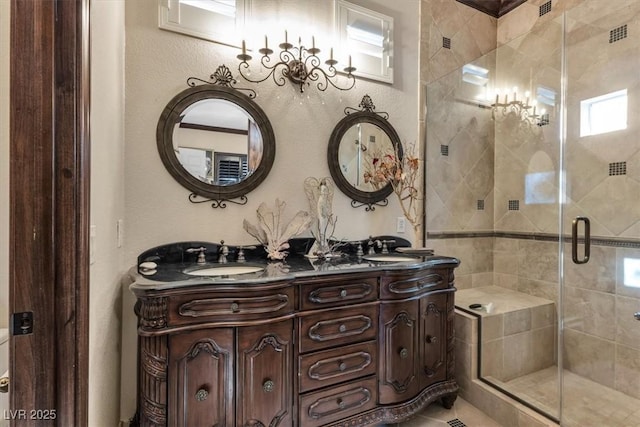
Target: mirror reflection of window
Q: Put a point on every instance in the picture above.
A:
(197, 162)
(230, 168)
(214, 128)
(632, 272)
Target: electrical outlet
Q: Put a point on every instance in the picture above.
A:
(400, 224)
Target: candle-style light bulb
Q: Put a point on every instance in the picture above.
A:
(266, 44)
(331, 54)
(497, 96)
(244, 48)
(515, 93)
(313, 42)
(527, 94)
(349, 61)
(285, 36)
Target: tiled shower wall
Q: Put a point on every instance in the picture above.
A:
(477, 170)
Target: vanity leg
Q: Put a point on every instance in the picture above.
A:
(447, 401)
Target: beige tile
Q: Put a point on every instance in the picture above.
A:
(627, 327)
(492, 327)
(543, 315)
(589, 356)
(517, 321)
(628, 371)
(590, 311)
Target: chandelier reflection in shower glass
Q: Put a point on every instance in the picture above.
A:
(298, 64)
(524, 110)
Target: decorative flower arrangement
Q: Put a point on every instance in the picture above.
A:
(273, 232)
(403, 173)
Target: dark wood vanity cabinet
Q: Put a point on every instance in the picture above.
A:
(332, 350)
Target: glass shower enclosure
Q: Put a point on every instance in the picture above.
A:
(533, 157)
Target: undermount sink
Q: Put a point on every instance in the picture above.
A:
(223, 270)
(389, 258)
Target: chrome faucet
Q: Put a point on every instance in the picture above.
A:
(201, 258)
(372, 244)
(223, 252)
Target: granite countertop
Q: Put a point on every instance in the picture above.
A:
(172, 275)
(172, 262)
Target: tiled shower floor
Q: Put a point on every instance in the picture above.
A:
(586, 403)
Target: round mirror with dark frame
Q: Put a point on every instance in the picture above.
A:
(215, 140)
(356, 144)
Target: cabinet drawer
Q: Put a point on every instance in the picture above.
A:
(230, 307)
(338, 365)
(332, 294)
(399, 287)
(338, 327)
(322, 407)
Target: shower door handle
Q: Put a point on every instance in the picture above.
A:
(587, 239)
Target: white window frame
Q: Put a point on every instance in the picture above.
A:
(383, 70)
(176, 16)
(586, 113)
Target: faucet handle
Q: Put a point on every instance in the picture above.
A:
(385, 249)
(201, 257)
(241, 249)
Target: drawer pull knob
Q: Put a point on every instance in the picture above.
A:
(268, 386)
(201, 395)
(404, 353)
(342, 328)
(342, 366)
(431, 339)
(340, 403)
(343, 293)
(235, 307)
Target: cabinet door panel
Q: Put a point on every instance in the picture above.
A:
(265, 375)
(201, 379)
(433, 315)
(399, 351)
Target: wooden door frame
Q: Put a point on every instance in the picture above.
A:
(49, 210)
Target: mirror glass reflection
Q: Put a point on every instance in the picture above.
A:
(217, 142)
(360, 147)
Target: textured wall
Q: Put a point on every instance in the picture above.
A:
(107, 206)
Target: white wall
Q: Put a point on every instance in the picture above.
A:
(4, 162)
(107, 206)
(157, 66)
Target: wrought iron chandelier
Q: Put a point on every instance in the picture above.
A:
(298, 64)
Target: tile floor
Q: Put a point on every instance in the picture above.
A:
(437, 416)
(586, 403)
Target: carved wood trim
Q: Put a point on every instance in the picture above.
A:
(402, 411)
(152, 312)
(415, 284)
(154, 365)
(152, 380)
(451, 358)
(225, 306)
(344, 293)
(339, 360)
(339, 402)
(366, 323)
